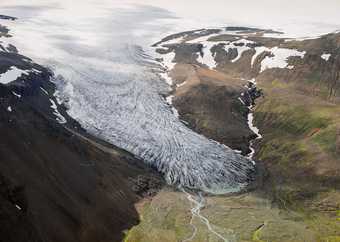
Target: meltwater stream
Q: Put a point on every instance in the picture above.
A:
(114, 89)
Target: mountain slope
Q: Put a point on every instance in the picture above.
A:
(296, 196)
(57, 183)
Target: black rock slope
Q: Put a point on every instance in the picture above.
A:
(55, 183)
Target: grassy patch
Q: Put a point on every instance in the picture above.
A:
(326, 138)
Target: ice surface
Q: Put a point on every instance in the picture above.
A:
(114, 89)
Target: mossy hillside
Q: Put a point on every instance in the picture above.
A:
(162, 221)
(299, 149)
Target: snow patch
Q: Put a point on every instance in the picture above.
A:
(12, 74)
(241, 46)
(279, 58)
(169, 100)
(16, 94)
(60, 118)
(207, 57)
(326, 56)
(181, 84)
(44, 91)
(258, 51)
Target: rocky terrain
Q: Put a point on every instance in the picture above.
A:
(58, 183)
(296, 196)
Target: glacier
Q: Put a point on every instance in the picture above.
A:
(114, 88)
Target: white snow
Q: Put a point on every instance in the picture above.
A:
(12, 74)
(167, 78)
(173, 109)
(16, 94)
(326, 56)
(174, 41)
(9, 109)
(208, 57)
(251, 125)
(258, 51)
(255, 130)
(168, 60)
(240, 49)
(60, 118)
(44, 91)
(240, 99)
(181, 84)
(279, 58)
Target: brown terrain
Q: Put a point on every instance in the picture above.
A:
(297, 194)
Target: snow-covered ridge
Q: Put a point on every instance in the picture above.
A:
(278, 57)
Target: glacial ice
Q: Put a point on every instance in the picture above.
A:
(115, 91)
(129, 112)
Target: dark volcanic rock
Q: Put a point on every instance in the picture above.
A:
(7, 17)
(57, 183)
(216, 112)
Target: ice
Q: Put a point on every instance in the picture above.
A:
(113, 88)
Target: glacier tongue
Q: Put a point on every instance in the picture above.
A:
(126, 109)
(115, 91)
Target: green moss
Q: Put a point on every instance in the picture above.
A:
(326, 138)
(331, 239)
(294, 120)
